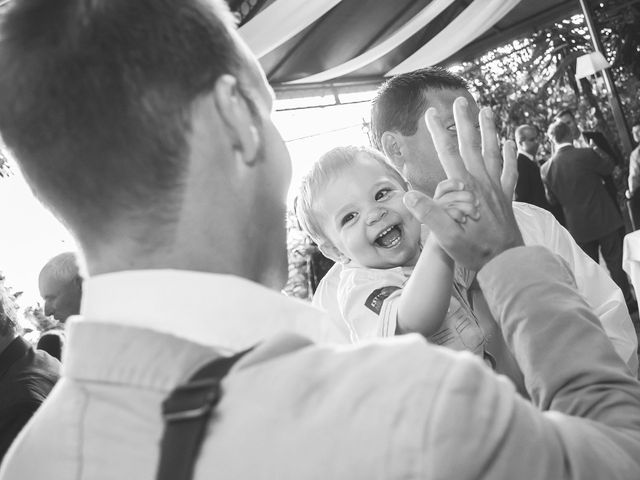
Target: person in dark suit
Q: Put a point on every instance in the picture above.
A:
(632, 193)
(598, 142)
(573, 178)
(529, 188)
(27, 375)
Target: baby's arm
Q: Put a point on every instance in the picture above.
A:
(426, 296)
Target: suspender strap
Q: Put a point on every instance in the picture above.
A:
(186, 414)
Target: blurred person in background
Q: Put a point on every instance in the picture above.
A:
(529, 188)
(27, 375)
(60, 286)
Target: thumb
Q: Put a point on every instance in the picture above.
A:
(428, 212)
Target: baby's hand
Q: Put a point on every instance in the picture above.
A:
(456, 201)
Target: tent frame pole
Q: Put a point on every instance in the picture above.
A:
(614, 99)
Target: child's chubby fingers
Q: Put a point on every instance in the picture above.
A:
(447, 186)
(462, 196)
(465, 208)
(456, 214)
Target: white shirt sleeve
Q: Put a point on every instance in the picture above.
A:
(368, 301)
(539, 227)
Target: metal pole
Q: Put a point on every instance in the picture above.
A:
(616, 107)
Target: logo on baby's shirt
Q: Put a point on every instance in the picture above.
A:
(376, 299)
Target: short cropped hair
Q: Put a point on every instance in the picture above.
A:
(559, 132)
(401, 101)
(519, 134)
(95, 99)
(8, 311)
(564, 112)
(63, 267)
(325, 169)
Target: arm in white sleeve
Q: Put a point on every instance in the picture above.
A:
(590, 428)
(539, 227)
(368, 300)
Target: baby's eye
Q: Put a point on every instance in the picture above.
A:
(347, 218)
(382, 193)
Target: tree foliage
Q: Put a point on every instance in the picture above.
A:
(529, 80)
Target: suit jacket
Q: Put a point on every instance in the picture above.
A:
(529, 188)
(26, 378)
(398, 408)
(574, 178)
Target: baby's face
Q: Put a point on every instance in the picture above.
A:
(362, 214)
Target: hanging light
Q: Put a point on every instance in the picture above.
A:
(590, 63)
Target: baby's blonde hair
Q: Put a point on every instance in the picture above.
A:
(325, 169)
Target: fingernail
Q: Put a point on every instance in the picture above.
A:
(486, 111)
(463, 101)
(432, 111)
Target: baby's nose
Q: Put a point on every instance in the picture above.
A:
(375, 214)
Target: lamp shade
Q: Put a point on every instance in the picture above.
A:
(590, 63)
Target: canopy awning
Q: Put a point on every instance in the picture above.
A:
(306, 43)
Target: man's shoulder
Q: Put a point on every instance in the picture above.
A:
(391, 389)
(535, 223)
(383, 367)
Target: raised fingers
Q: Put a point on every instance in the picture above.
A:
(509, 175)
(446, 186)
(490, 144)
(428, 212)
(469, 139)
(446, 146)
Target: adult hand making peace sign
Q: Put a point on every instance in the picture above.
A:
(475, 160)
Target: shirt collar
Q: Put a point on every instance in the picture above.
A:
(564, 145)
(528, 155)
(224, 311)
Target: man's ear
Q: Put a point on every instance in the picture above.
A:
(391, 147)
(236, 113)
(331, 252)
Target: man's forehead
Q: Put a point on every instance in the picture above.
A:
(442, 98)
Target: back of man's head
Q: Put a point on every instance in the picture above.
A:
(523, 131)
(559, 132)
(95, 101)
(563, 113)
(401, 101)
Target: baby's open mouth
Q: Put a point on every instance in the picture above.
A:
(389, 237)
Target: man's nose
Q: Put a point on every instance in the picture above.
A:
(375, 214)
(48, 309)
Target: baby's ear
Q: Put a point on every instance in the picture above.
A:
(331, 252)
